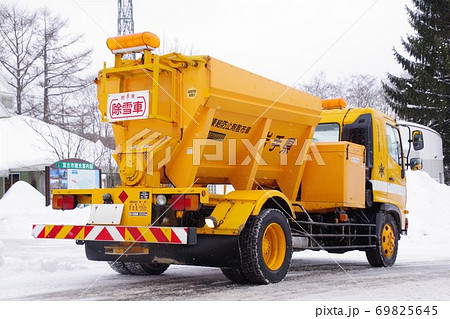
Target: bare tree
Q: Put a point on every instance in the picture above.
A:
(62, 63)
(321, 87)
(364, 90)
(174, 45)
(359, 90)
(65, 144)
(19, 48)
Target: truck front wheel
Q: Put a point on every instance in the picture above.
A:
(385, 254)
(265, 247)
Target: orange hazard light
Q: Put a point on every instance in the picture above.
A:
(331, 104)
(136, 42)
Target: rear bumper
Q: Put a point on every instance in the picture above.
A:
(140, 234)
(169, 245)
(210, 250)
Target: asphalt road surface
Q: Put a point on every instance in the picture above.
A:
(64, 274)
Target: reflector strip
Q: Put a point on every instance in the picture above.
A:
(167, 235)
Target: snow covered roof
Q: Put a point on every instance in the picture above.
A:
(5, 88)
(3, 111)
(30, 144)
(6, 98)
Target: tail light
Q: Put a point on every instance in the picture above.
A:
(178, 202)
(189, 202)
(64, 202)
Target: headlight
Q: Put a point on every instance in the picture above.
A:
(161, 200)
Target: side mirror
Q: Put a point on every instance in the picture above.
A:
(417, 140)
(415, 164)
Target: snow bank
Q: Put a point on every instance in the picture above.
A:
(23, 206)
(428, 203)
(2, 248)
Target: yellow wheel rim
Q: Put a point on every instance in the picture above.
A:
(388, 240)
(273, 246)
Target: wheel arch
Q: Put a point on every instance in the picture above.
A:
(280, 203)
(395, 212)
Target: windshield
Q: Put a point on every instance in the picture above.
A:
(326, 132)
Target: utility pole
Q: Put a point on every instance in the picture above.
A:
(125, 22)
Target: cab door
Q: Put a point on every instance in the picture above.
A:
(396, 180)
(379, 171)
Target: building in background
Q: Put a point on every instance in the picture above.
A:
(7, 98)
(432, 153)
(26, 148)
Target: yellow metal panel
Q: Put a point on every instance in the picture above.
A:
(189, 95)
(233, 210)
(243, 176)
(339, 181)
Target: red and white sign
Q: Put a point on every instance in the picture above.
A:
(128, 106)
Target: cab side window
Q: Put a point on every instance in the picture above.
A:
(394, 144)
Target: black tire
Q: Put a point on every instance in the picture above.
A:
(139, 269)
(385, 254)
(154, 269)
(234, 274)
(146, 269)
(253, 265)
(119, 267)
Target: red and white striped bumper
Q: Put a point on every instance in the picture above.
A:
(142, 234)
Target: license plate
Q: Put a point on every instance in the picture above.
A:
(106, 214)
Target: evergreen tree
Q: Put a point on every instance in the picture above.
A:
(422, 95)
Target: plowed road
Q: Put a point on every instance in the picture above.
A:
(58, 270)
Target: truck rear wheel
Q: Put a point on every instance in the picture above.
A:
(385, 254)
(140, 269)
(234, 274)
(119, 267)
(266, 247)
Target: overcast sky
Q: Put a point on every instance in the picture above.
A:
(283, 40)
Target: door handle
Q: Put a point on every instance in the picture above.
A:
(391, 179)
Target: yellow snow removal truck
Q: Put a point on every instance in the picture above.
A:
(305, 173)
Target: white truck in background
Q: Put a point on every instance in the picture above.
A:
(432, 154)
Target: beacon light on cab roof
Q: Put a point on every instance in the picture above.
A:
(130, 43)
(331, 104)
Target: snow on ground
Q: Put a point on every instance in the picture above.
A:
(29, 266)
(429, 219)
(23, 206)
(2, 248)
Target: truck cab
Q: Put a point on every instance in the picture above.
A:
(384, 158)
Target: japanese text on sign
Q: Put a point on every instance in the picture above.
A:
(230, 126)
(281, 142)
(129, 105)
